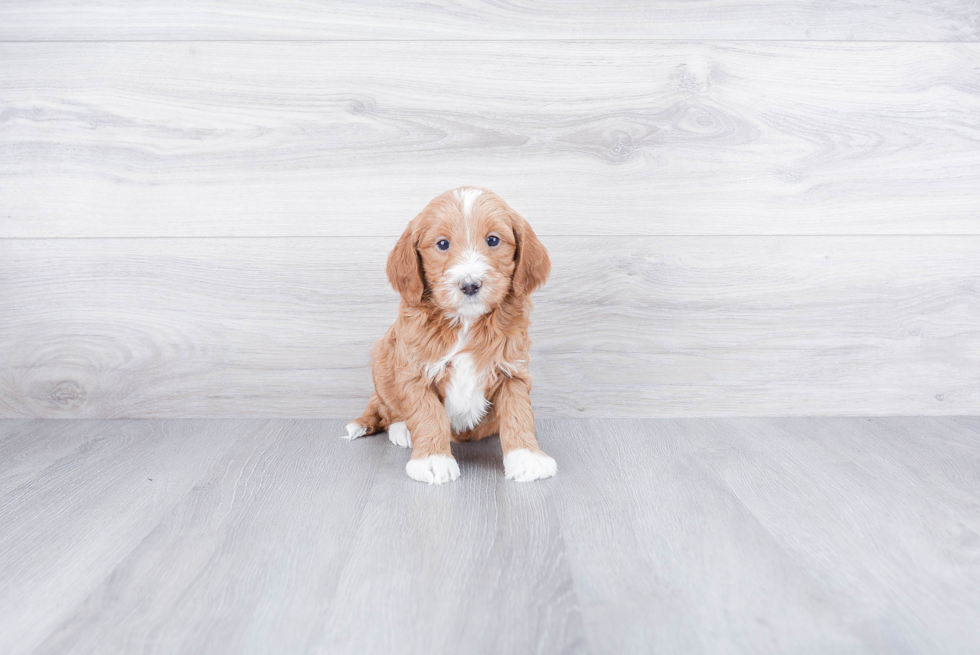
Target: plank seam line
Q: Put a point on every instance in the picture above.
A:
(544, 235)
(556, 40)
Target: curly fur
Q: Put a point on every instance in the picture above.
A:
(454, 367)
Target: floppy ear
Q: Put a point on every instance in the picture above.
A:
(533, 265)
(405, 267)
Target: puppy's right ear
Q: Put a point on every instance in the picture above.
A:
(405, 267)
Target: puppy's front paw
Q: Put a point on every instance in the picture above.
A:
(399, 435)
(434, 469)
(354, 430)
(523, 465)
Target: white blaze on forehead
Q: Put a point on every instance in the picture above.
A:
(467, 198)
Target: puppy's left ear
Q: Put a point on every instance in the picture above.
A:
(533, 265)
(405, 267)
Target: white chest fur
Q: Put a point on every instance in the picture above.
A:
(464, 402)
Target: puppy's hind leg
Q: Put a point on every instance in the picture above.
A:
(399, 434)
(369, 423)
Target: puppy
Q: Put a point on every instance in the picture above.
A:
(454, 366)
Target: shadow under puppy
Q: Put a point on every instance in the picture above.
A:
(454, 366)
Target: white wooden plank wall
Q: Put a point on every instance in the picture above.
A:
(229, 20)
(327, 139)
(753, 208)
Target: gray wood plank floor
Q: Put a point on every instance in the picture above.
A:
(844, 535)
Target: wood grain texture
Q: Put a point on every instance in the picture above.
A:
(928, 541)
(70, 526)
(597, 138)
(666, 553)
(248, 561)
(843, 535)
(478, 568)
(910, 20)
(679, 326)
(29, 447)
(762, 535)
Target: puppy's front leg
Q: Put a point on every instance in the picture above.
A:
(523, 459)
(432, 458)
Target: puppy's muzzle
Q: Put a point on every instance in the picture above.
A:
(470, 288)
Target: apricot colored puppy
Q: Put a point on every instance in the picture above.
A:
(454, 366)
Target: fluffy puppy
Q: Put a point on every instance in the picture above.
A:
(454, 366)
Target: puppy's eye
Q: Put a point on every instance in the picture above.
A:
(493, 241)
(442, 245)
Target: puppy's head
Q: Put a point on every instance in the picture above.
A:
(466, 252)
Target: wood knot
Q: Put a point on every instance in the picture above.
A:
(66, 394)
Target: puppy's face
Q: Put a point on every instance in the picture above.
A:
(468, 249)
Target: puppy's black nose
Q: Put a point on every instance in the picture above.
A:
(470, 288)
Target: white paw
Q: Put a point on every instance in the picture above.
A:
(522, 465)
(434, 469)
(354, 431)
(399, 435)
